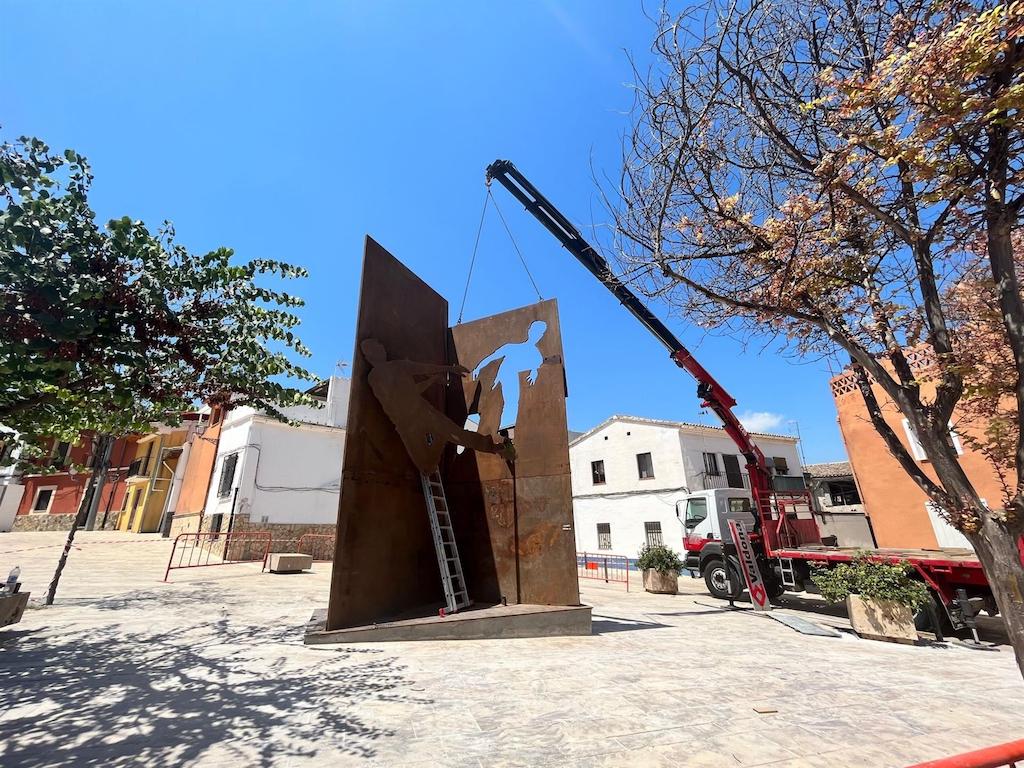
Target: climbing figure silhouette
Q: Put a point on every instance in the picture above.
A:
(398, 386)
(513, 360)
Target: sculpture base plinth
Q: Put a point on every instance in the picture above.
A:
(475, 623)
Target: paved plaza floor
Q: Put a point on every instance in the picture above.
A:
(210, 670)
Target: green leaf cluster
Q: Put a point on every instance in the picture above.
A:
(660, 558)
(110, 328)
(870, 579)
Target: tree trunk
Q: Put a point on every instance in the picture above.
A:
(83, 511)
(87, 508)
(996, 545)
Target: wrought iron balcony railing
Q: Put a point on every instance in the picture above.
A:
(139, 467)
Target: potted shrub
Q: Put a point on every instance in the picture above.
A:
(661, 567)
(880, 597)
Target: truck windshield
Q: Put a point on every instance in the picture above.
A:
(696, 511)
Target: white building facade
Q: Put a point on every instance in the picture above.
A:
(273, 475)
(11, 489)
(629, 474)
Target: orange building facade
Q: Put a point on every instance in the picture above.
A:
(195, 483)
(899, 511)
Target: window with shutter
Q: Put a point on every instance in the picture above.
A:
(953, 439)
(711, 464)
(61, 455)
(227, 475)
(644, 466)
(915, 445)
(652, 532)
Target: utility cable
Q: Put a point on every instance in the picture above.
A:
(472, 259)
(516, 246)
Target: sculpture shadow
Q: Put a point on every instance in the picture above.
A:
(113, 697)
(604, 625)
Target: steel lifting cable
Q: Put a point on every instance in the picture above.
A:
(516, 246)
(476, 245)
(472, 259)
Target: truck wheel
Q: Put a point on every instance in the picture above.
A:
(923, 619)
(714, 577)
(774, 589)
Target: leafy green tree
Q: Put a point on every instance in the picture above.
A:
(107, 329)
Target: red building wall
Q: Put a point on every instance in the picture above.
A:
(69, 487)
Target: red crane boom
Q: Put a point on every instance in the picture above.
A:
(712, 394)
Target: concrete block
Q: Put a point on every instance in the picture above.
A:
(290, 562)
(881, 620)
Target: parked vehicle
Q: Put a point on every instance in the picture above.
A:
(790, 542)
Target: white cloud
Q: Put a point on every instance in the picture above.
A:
(761, 421)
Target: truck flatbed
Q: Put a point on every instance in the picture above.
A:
(953, 557)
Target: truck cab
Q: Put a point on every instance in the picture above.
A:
(704, 516)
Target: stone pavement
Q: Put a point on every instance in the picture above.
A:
(210, 670)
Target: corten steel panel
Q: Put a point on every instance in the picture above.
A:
(384, 560)
(517, 520)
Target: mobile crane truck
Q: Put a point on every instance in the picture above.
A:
(785, 537)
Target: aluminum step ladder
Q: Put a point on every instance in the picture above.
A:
(787, 571)
(448, 562)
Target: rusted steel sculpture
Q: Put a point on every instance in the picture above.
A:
(423, 397)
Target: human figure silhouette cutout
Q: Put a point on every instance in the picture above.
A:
(398, 386)
(512, 360)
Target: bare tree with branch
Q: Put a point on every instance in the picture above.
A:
(830, 172)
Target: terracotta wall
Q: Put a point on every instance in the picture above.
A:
(196, 480)
(894, 503)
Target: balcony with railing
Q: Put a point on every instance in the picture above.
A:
(139, 467)
(709, 481)
(789, 483)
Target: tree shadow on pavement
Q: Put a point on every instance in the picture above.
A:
(210, 691)
(181, 597)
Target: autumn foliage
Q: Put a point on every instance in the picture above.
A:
(845, 177)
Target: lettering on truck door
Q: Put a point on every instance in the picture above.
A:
(748, 564)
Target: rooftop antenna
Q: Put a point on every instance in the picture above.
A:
(799, 440)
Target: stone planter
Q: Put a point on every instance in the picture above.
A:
(661, 583)
(12, 607)
(881, 619)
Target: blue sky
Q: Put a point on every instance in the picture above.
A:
(291, 130)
